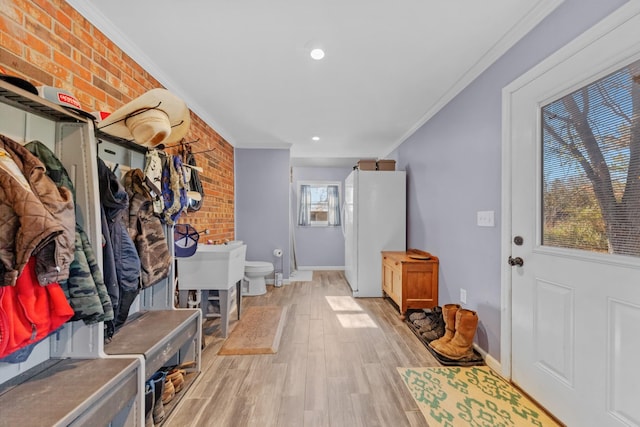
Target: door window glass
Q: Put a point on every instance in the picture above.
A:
(591, 166)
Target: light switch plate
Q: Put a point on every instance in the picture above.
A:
(485, 219)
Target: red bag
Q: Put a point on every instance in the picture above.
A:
(30, 312)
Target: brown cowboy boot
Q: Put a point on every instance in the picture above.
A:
(168, 392)
(461, 345)
(449, 315)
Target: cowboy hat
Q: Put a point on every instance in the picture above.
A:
(155, 117)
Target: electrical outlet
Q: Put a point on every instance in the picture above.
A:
(463, 296)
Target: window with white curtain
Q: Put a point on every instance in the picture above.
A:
(319, 203)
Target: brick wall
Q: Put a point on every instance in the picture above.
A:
(49, 43)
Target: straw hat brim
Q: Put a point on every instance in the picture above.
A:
(160, 99)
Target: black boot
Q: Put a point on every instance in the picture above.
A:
(158, 384)
(149, 396)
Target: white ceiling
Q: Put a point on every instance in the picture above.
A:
(243, 66)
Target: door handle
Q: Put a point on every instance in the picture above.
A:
(515, 261)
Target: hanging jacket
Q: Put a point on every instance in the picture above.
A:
(108, 262)
(38, 220)
(145, 229)
(30, 312)
(85, 288)
(115, 205)
(174, 192)
(54, 167)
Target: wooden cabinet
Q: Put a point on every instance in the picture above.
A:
(410, 279)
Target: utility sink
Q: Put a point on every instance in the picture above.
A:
(212, 267)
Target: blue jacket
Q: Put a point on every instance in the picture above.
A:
(120, 255)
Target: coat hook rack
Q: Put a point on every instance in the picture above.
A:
(162, 146)
(205, 151)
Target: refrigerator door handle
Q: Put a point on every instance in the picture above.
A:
(342, 212)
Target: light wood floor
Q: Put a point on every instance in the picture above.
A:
(324, 374)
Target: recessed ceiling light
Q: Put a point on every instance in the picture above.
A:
(316, 138)
(317, 54)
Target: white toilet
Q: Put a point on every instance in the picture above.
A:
(255, 273)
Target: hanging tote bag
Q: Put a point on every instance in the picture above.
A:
(194, 183)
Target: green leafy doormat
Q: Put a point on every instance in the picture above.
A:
(471, 396)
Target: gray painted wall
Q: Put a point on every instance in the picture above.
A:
(262, 204)
(318, 246)
(453, 165)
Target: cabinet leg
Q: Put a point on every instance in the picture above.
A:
(224, 312)
(204, 303)
(403, 315)
(239, 298)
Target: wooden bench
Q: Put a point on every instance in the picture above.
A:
(157, 335)
(72, 392)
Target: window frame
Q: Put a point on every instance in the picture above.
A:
(317, 183)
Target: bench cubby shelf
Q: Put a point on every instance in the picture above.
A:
(72, 377)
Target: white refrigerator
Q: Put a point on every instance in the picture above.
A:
(374, 221)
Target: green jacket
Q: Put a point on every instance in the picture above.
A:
(85, 289)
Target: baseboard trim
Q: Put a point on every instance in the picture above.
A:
(491, 361)
(321, 267)
(271, 282)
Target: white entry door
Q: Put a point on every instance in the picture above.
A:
(575, 313)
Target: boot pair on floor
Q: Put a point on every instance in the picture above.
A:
(160, 389)
(460, 328)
